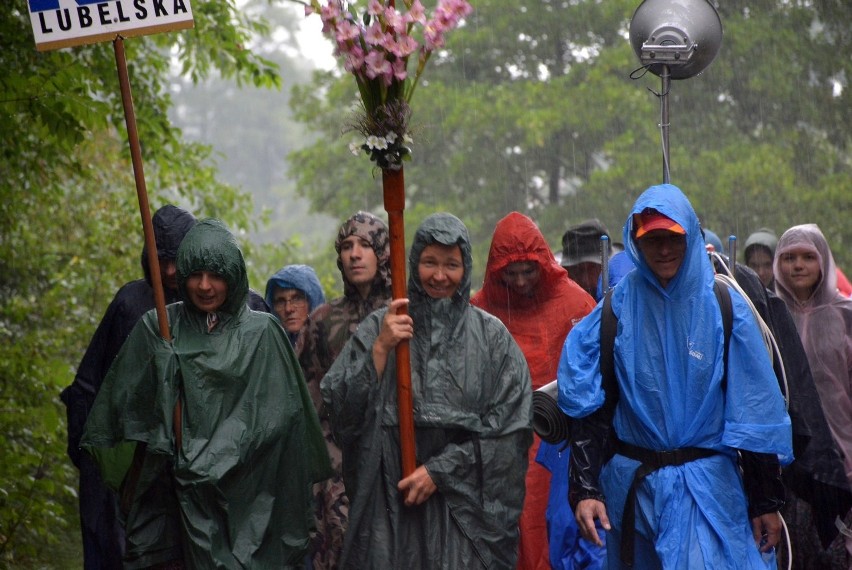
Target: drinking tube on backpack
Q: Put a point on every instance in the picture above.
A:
(732, 252)
(549, 421)
(604, 264)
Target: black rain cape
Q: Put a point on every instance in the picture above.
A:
(236, 494)
(472, 413)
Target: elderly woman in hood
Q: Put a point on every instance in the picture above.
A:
(292, 293)
(226, 482)
(806, 279)
(472, 413)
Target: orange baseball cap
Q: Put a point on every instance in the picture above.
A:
(651, 221)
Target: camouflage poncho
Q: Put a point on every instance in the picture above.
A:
(321, 340)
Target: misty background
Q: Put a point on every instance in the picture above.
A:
(533, 108)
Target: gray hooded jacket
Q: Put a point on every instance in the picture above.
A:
(472, 411)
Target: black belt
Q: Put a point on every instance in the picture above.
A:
(651, 461)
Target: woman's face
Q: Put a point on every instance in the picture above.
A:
(522, 277)
(291, 306)
(207, 290)
(760, 260)
(801, 270)
(440, 269)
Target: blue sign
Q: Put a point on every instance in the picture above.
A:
(64, 23)
(42, 5)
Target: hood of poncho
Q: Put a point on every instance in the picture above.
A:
(538, 323)
(444, 229)
(209, 246)
(171, 225)
(808, 237)
(695, 271)
(301, 277)
(518, 239)
(763, 237)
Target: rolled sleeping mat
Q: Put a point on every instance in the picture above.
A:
(549, 422)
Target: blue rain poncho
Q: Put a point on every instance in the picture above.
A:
(669, 366)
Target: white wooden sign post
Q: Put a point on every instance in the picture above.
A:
(65, 23)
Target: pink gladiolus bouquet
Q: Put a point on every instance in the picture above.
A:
(376, 47)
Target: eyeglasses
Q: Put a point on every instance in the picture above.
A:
(296, 301)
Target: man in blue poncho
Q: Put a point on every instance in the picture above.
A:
(658, 453)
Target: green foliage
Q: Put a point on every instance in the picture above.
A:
(532, 107)
(251, 131)
(70, 232)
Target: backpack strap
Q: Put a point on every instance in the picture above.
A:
(723, 296)
(609, 328)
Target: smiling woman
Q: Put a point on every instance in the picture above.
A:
(801, 269)
(440, 270)
(206, 290)
(471, 389)
(806, 279)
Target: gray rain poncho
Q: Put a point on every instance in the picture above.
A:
(236, 493)
(472, 414)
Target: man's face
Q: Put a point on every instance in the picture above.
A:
(522, 277)
(440, 269)
(663, 252)
(760, 260)
(359, 262)
(207, 290)
(291, 306)
(586, 275)
(168, 273)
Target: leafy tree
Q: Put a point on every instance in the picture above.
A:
(71, 233)
(251, 132)
(532, 107)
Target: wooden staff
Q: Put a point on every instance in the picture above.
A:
(141, 189)
(393, 183)
(144, 208)
(132, 477)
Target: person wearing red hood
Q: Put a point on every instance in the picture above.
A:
(535, 299)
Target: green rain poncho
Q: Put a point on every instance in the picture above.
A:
(236, 494)
(472, 413)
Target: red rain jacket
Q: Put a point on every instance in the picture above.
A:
(539, 324)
